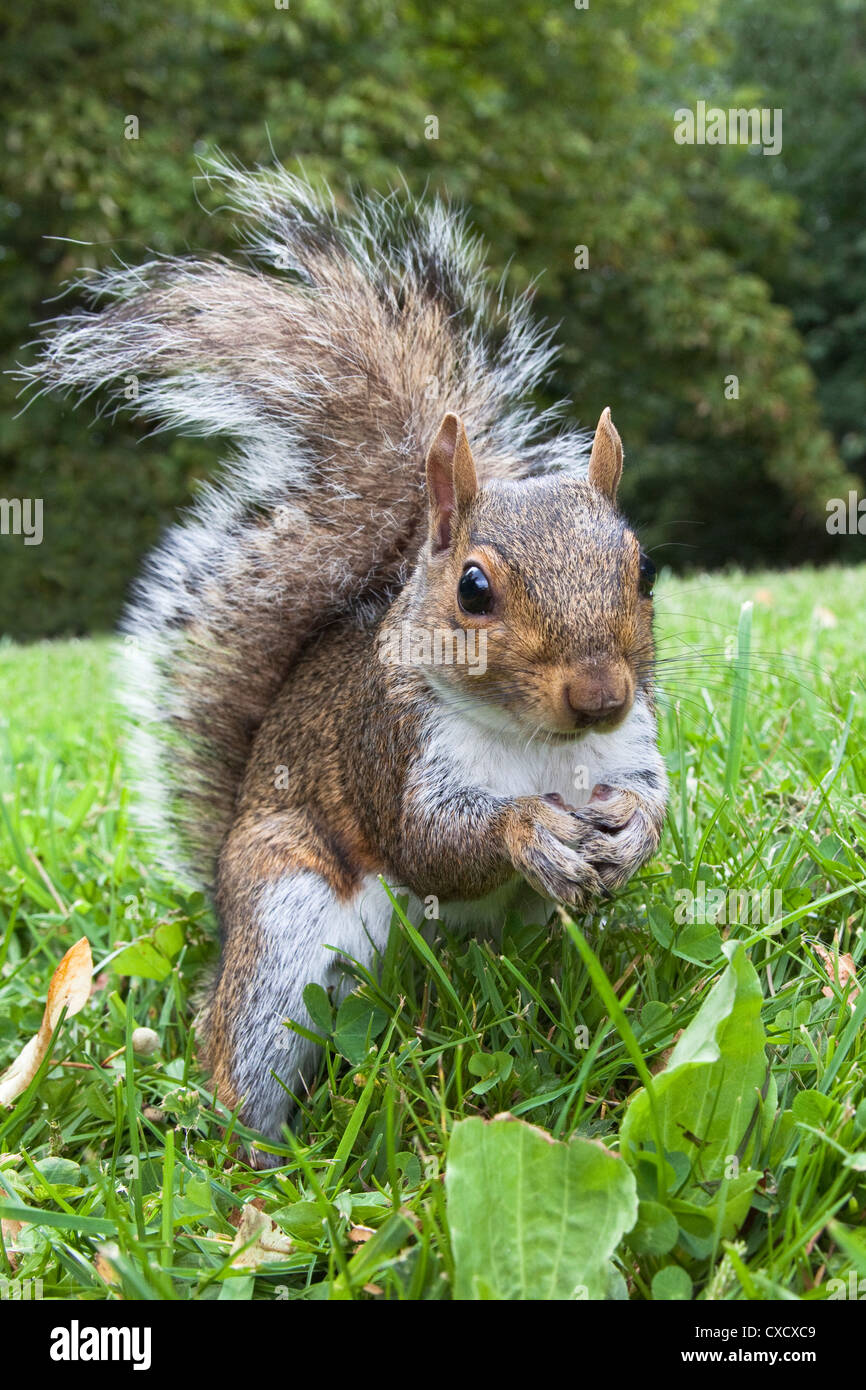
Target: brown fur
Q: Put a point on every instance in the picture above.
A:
(275, 751)
(327, 781)
(327, 367)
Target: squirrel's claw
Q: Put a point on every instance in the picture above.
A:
(556, 871)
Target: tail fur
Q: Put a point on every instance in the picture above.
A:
(328, 356)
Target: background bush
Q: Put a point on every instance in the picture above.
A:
(556, 128)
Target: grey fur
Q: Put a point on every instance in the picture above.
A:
(318, 356)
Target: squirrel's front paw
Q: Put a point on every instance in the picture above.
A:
(618, 834)
(544, 843)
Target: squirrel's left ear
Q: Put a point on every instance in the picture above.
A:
(605, 461)
(452, 481)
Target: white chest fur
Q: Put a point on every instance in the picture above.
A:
(470, 754)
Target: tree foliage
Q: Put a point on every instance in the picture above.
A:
(555, 126)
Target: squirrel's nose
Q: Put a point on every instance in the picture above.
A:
(596, 696)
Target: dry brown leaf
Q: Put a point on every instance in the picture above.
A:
(236, 1215)
(269, 1243)
(69, 989)
(11, 1230)
(104, 1266)
(662, 1060)
(842, 972)
(359, 1234)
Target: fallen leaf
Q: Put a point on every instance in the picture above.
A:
(69, 989)
(11, 1230)
(236, 1215)
(845, 971)
(103, 1263)
(661, 1062)
(268, 1242)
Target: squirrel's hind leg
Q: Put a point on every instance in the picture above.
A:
(276, 935)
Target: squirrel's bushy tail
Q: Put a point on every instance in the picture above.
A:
(328, 357)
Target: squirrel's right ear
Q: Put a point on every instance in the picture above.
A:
(605, 461)
(452, 481)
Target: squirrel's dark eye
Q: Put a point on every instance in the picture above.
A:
(474, 591)
(647, 576)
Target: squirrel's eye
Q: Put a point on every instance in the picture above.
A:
(474, 591)
(647, 576)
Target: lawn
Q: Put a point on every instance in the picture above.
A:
(117, 1174)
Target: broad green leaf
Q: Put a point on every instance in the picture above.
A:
(368, 1208)
(358, 1024)
(493, 1068)
(672, 1282)
(816, 1109)
(696, 1226)
(237, 1289)
(318, 1006)
(788, 1019)
(661, 925)
(61, 1174)
(168, 938)
(185, 1105)
(708, 1095)
(409, 1167)
(698, 942)
(531, 1218)
(656, 1231)
(195, 1200)
(303, 1220)
(706, 1212)
(58, 1170)
(676, 1172)
(655, 1016)
(144, 960)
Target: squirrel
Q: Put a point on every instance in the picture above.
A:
(407, 635)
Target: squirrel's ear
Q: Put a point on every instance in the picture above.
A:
(451, 478)
(605, 461)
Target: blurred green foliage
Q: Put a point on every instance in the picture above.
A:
(818, 52)
(556, 128)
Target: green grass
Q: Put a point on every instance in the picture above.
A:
(114, 1149)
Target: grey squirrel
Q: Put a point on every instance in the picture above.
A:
(306, 718)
